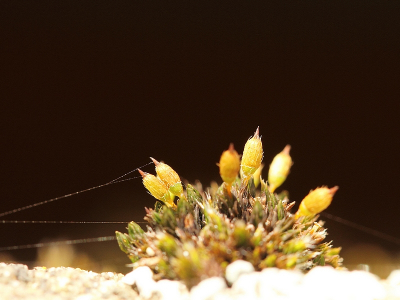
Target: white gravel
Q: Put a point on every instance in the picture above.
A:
(17, 282)
(236, 269)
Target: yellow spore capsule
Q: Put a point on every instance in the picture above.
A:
(252, 156)
(169, 177)
(279, 169)
(229, 165)
(316, 201)
(157, 188)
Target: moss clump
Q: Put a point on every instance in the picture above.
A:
(206, 230)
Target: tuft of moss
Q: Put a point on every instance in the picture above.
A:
(208, 229)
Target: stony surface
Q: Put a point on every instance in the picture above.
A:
(236, 269)
(17, 282)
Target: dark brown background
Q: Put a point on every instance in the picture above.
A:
(91, 89)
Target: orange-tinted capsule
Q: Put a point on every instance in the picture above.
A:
(316, 201)
(169, 177)
(157, 188)
(229, 165)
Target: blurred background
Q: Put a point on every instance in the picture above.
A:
(91, 89)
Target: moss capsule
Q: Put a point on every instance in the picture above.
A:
(229, 165)
(316, 201)
(252, 155)
(169, 177)
(123, 241)
(279, 169)
(157, 188)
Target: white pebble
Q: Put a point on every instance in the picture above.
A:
(268, 278)
(392, 285)
(141, 272)
(172, 290)
(247, 284)
(129, 278)
(150, 251)
(146, 287)
(143, 278)
(334, 284)
(326, 283)
(280, 282)
(237, 268)
(207, 288)
(394, 278)
(366, 286)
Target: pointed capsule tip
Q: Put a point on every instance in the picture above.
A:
(286, 150)
(257, 133)
(154, 161)
(231, 147)
(142, 173)
(333, 190)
